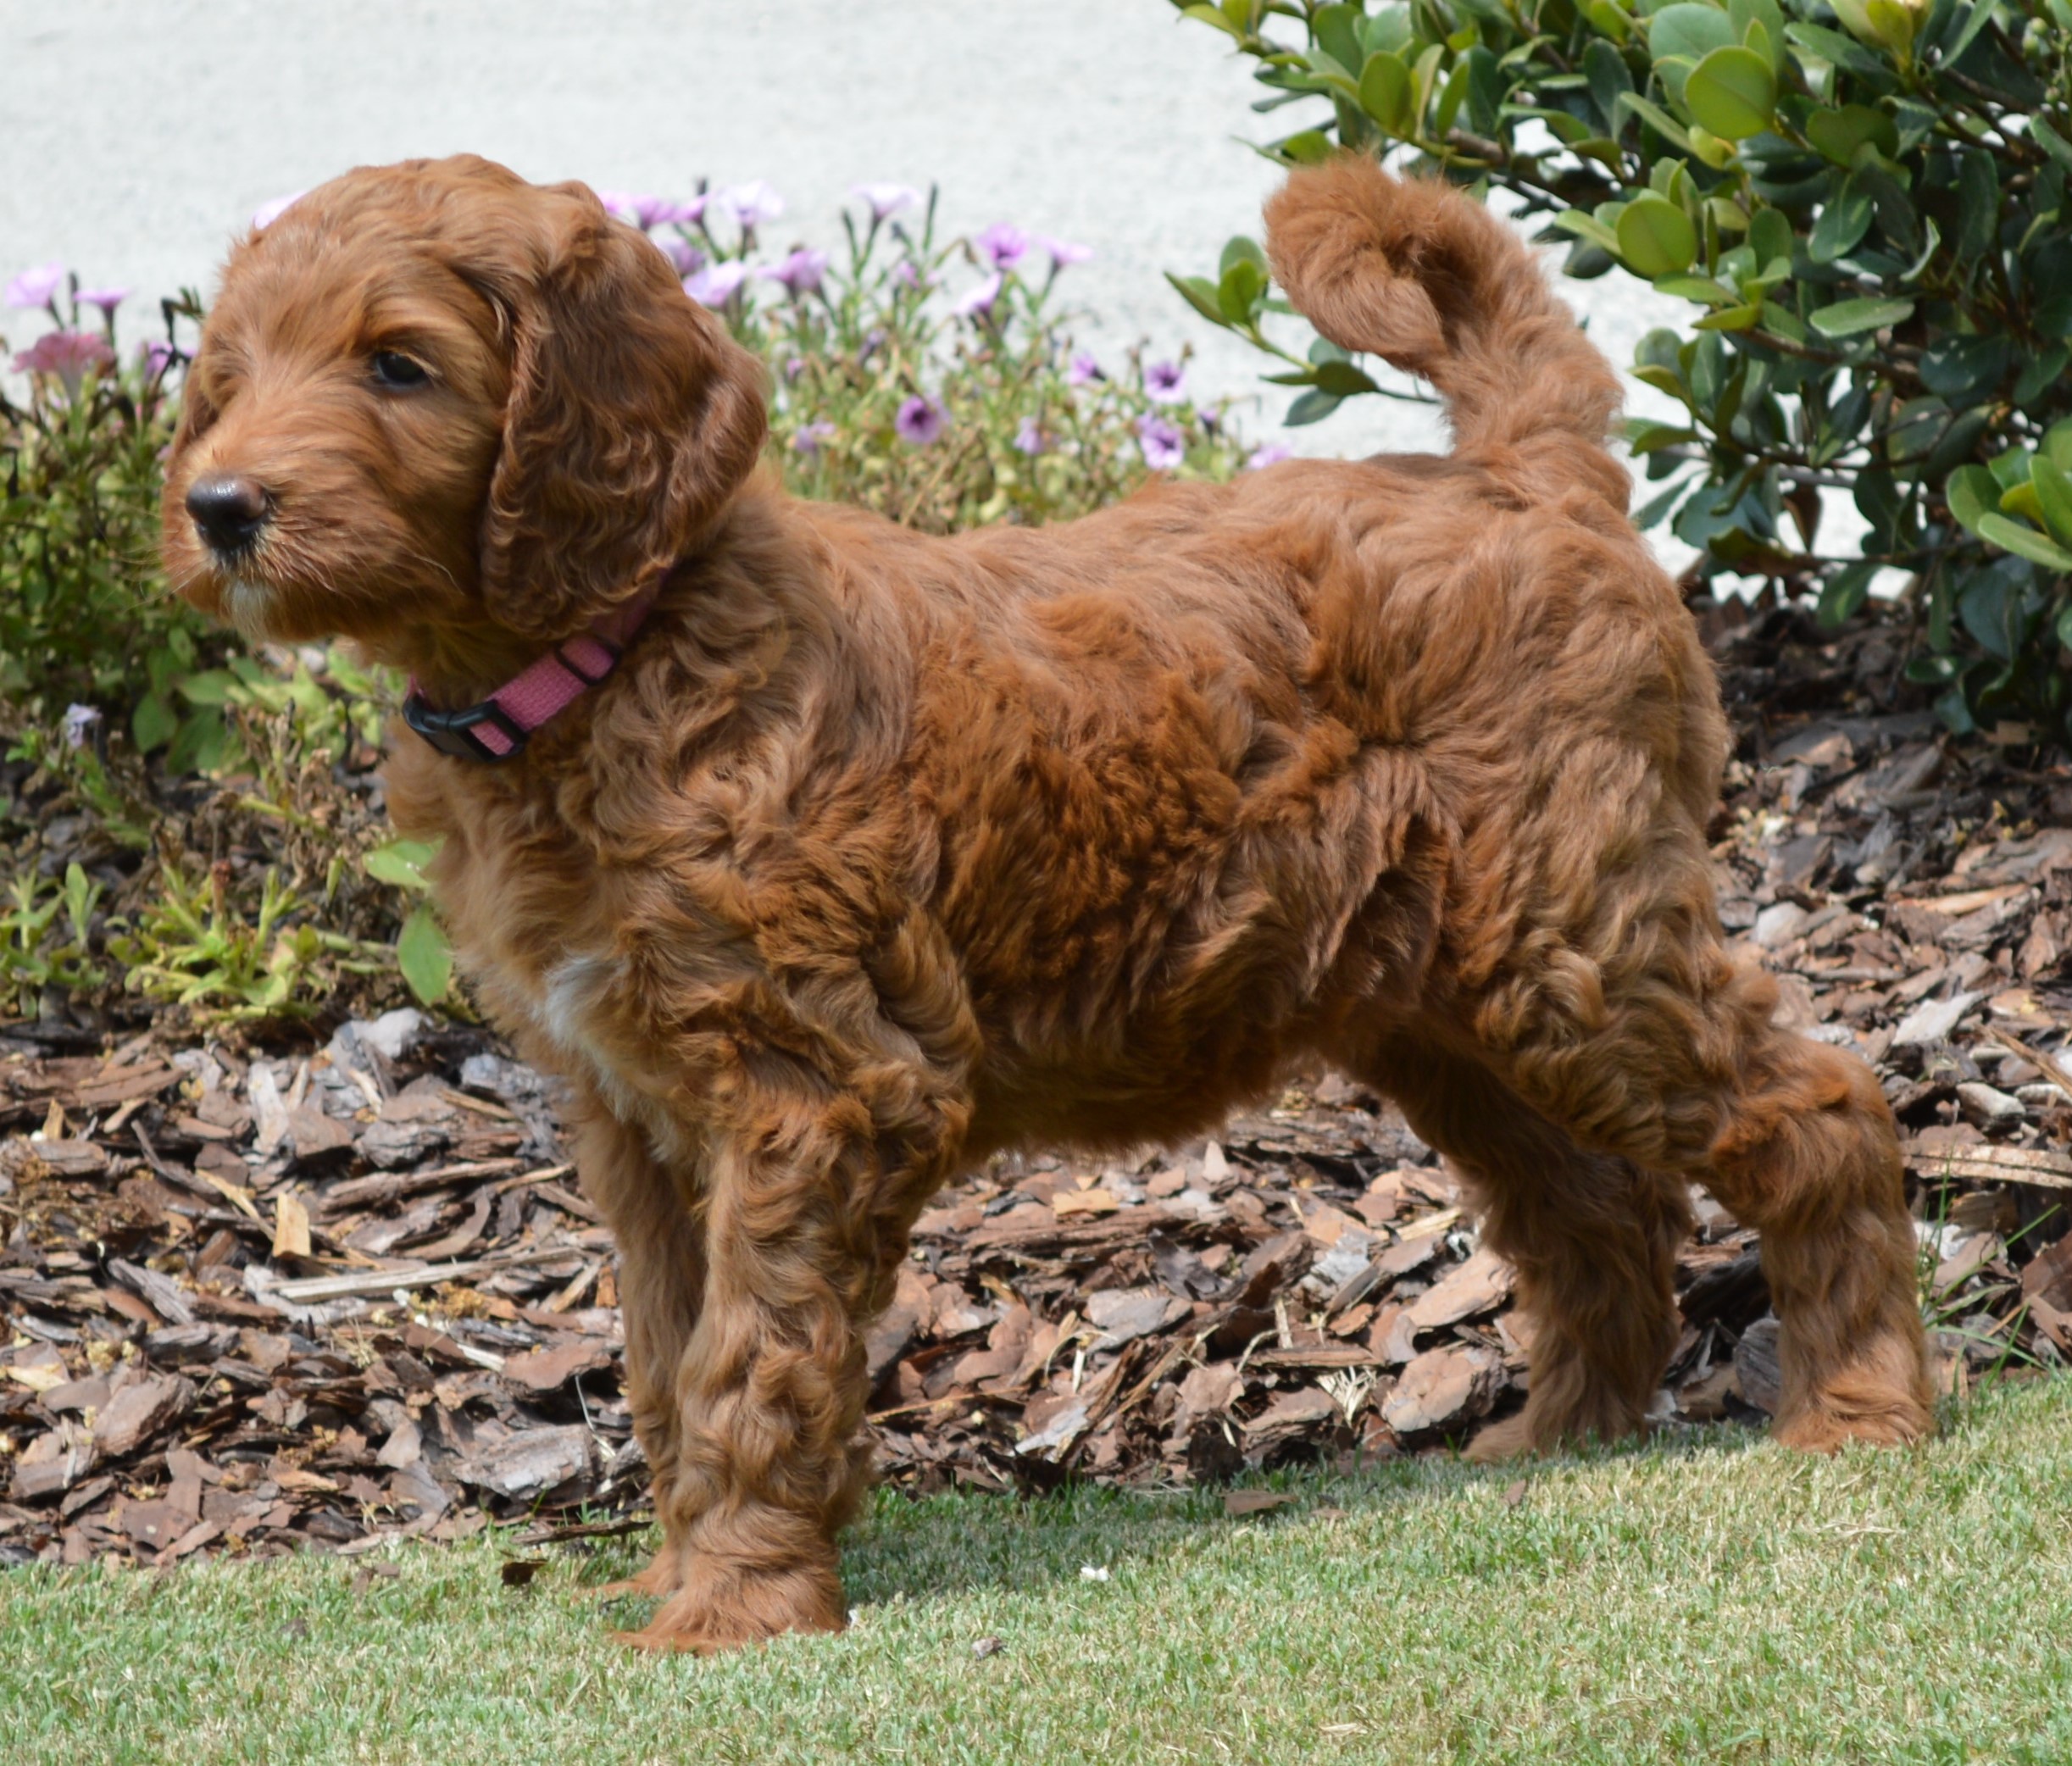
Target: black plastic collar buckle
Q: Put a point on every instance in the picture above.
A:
(452, 732)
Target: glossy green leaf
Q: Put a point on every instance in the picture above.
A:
(1587, 226)
(1657, 118)
(1680, 37)
(1313, 407)
(1842, 224)
(1387, 94)
(1240, 292)
(1200, 294)
(1732, 93)
(1972, 493)
(1848, 319)
(1209, 16)
(1341, 379)
(2024, 542)
(1838, 133)
(2053, 496)
(1844, 592)
(1695, 288)
(1656, 237)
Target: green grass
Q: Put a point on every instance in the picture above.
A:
(1718, 1599)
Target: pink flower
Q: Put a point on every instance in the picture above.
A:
(811, 437)
(646, 212)
(1063, 252)
(980, 299)
(107, 299)
(686, 256)
(919, 421)
(1030, 439)
(1005, 245)
(70, 356)
(717, 284)
(157, 355)
(1268, 453)
(267, 213)
(800, 273)
(886, 199)
(1165, 446)
(36, 288)
(752, 203)
(1162, 383)
(1083, 369)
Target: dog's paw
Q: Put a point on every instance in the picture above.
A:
(1510, 1439)
(1893, 1422)
(710, 1614)
(662, 1577)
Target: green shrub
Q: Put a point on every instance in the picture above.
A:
(85, 615)
(1866, 208)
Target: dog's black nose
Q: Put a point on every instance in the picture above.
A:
(229, 509)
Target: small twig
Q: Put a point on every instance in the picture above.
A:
(2052, 1068)
(383, 1281)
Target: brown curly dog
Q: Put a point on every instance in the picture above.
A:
(879, 853)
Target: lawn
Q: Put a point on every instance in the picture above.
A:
(1712, 1599)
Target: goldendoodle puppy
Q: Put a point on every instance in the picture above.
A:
(824, 859)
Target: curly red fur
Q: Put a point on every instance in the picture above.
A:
(881, 853)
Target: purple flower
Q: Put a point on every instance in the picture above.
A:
(35, 287)
(157, 355)
(717, 284)
(909, 274)
(1003, 244)
(1268, 453)
(645, 212)
(1162, 383)
(1082, 369)
(267, 213)
(686, 256)
(79, 721)
(70, 355)
(980, 299)
(886, 199)
(811, 437)
(874, 341)
(1063, 252)
(1163, 445)
(752, 203)
(107, 299)
(794, 366)
(1030, 440)
(919, 421)
(800, 273)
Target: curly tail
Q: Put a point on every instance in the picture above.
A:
(1413, 270)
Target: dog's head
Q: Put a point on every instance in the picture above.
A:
(432, 398)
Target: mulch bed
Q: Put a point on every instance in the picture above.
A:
(257, 1300)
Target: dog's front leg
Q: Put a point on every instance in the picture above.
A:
(652, 1206)
(807, 1196)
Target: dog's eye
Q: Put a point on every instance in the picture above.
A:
(395, 370)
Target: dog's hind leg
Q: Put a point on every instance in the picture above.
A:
(1592, 1239)
(1634, 1032)
(661, 1285)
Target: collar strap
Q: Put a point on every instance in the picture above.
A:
(497, 728)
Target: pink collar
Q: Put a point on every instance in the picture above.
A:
(496, 728)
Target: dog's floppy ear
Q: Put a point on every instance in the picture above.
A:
(632, 417)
